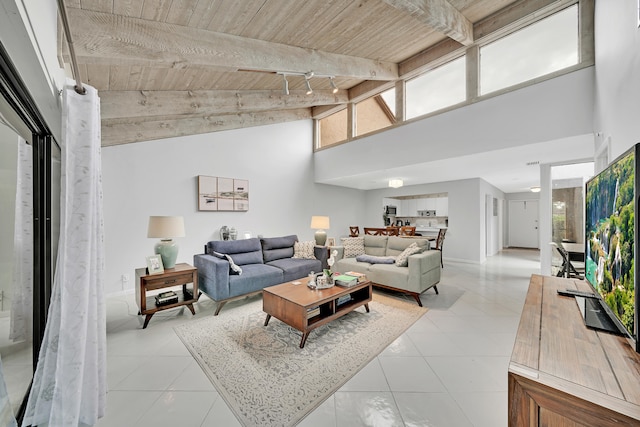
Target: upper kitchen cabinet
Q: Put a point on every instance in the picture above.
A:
(388, 201)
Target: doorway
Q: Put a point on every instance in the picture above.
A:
(523, 224)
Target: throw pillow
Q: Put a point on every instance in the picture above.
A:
(403, 259)
(353, 246)
(304, 250)
(372, 259)
(233, 268)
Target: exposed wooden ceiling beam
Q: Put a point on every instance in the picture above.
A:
(440, 15)
(210, 102)
(102, 38)
(123, 131)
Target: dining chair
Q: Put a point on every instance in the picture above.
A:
(371, 231)
(406, 230)
(439, 243)
(569, 269)
(393, 231)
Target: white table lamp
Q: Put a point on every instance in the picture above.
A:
(166, 228)
(320, 223)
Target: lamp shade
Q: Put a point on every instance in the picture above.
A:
(165, 227)
(320, 222)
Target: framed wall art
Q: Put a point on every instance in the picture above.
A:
(222, 194)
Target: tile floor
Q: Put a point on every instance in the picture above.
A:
(449, 369)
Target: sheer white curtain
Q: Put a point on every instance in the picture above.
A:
(69, 386)
(6, 410)
(22, 294)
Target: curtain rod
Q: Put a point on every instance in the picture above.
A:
(74, 62)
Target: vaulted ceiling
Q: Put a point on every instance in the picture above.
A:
(167, 68)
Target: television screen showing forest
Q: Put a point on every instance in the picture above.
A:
(609, 257)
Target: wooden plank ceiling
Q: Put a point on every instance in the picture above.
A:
(166, 68)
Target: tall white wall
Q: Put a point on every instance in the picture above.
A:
(617, 83)
(159, 178)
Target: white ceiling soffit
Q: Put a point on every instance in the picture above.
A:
(505, 169)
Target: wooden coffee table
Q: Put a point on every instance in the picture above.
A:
(307, 309)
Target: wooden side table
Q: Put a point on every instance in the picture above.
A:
(181, 275)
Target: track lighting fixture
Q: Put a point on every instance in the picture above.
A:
(334, 88)
(306, 82)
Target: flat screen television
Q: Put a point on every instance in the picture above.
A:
(611, 236)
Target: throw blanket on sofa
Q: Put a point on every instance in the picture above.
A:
(376, 259)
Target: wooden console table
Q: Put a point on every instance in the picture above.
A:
(181, 275)
(564, 374)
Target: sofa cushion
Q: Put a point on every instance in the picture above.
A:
(402, 260)
(254, 278)
(246, 251)
(351, 264)
(278, 247)
(372, 259)
(375, 245)
(296, 268)
(353, 246)
(304, 250)
(389, 275)
(398, 244)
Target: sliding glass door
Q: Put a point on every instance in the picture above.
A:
(30, 212)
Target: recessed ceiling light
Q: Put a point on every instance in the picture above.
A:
(535, 189)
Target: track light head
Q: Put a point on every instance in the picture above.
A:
(285, 85)
(309, 90)
(334, 88)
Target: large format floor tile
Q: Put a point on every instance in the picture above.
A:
(448, 369)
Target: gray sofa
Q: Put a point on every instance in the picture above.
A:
(264, 262)
(421, 273)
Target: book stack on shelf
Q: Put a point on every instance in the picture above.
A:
(344, 299)
(313, 312)
(349, 279)
(166, 298)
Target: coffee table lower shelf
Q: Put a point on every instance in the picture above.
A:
(293, 304)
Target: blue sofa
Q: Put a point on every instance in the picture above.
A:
(264, 262)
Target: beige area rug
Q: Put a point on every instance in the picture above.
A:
(264, 376)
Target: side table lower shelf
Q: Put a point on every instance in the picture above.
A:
(181, 275)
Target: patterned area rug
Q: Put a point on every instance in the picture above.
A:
(263, 375)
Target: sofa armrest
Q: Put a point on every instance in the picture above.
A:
(213, 276)
(423, 266)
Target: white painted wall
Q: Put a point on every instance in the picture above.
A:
(617, 82)
(31, 44)
(159, 178)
